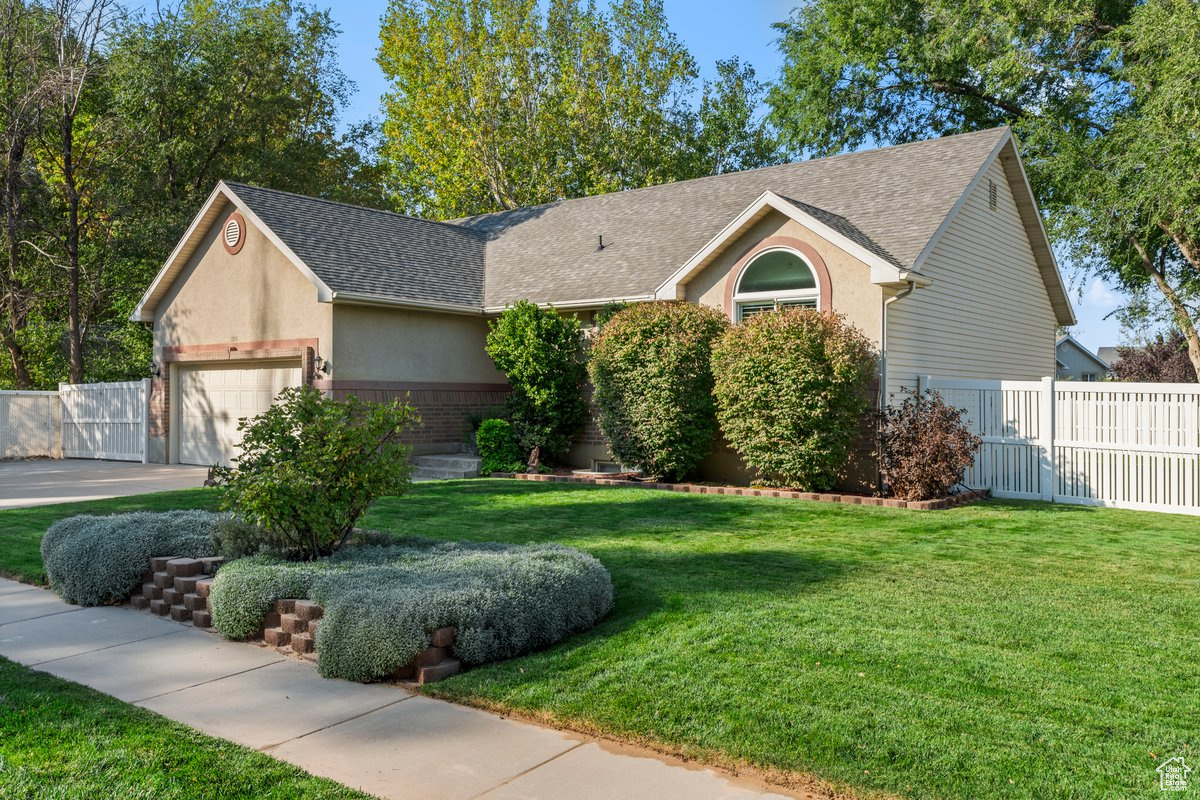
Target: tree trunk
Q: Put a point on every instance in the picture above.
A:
(13, 314)
(74, 323)
(1182, 318)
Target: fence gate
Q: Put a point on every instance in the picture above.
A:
(105, 420)
(1128, 445)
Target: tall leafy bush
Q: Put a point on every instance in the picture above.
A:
(791, 389)
(92, 560)
(310, 467)
(925, 447)
(381, 602)
(651, 369)
(541, 352)
(498, 448)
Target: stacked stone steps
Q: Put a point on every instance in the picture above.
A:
(292, 627)
(178, 588)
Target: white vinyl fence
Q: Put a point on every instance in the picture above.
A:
(1128, 445)
(105, 420)
(29, 425)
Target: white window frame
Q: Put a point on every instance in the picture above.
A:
(795, 297)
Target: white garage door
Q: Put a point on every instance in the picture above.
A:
(213, 399)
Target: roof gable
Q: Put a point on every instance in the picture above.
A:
(350, 253)
(1067, 341)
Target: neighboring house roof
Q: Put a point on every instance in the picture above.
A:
(1109, 355)
(888, 206)
(1068, 341)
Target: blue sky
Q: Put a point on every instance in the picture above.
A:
(711, 29)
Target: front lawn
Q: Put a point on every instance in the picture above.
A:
(996, 650)
(60, 739)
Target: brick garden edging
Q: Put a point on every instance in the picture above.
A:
(179, 588)
(744, 491)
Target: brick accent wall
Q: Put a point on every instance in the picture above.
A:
(444, 407)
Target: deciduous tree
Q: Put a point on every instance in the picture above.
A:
(1101, 93)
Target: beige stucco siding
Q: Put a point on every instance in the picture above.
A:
(987, 313)
(254, 295)
(381, 344)
(853, 294)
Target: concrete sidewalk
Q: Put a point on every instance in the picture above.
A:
(376, 737)
(40, 482)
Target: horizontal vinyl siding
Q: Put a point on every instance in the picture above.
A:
(987, 313)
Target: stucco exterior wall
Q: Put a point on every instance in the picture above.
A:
(383, 344)
(987, 313)
(229, 306)
(255, 295)
(852, 292)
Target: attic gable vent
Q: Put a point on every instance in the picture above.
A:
(992, 200)
(234, 233)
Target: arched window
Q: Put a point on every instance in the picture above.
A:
(777, 278)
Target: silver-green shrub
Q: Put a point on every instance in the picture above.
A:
(381, 602)
(95, 560)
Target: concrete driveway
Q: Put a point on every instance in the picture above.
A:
(45, 481)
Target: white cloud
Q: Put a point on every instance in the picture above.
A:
(1100, 297)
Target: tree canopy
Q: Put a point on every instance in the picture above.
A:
(1101, 94)
(496, 105)
(114, 127)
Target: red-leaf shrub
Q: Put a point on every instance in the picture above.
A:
(925, 447)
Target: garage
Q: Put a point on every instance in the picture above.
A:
(214, 397)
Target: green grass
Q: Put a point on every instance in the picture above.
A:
(62, 740)
(21, 529)
(997, 650)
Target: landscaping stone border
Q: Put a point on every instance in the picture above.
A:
(179, 588)
(821, 497)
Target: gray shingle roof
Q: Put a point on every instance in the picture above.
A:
(889, 200)
(892, 200)
(356, 250)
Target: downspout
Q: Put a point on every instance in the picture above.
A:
(883, 356)
(883, 341)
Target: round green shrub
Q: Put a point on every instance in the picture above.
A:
(94, 560)
(651, 369)
(311, 466)
(498, 448)
(791, 389)
(381, 602)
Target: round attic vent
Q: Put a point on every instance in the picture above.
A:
(234, 233)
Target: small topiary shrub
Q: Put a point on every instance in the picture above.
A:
(791, 388)
(93, 560)
(541, 352)
(651, 369)
(498, 447)
(310, 467)
(925, 447)
(380, 602)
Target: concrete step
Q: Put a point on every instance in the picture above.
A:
(446, 467)
(448, 461)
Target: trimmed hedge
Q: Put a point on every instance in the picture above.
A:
(791, 389)
(93, 560)
(651, 368)
(380, 602)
